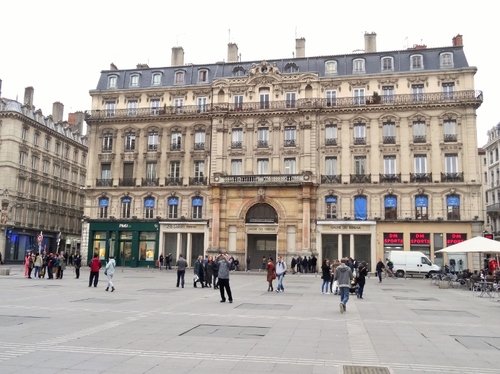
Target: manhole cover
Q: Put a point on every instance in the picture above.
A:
(223, 331)
(365, 370)
(264, 306)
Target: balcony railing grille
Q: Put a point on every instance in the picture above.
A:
(452, 177)
(331, 179)
(390, 178)
(173, 181)
(104, 182)
(419, 139)
(126, 182)
(361, 178)
(420, 177)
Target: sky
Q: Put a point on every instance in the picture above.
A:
(59, 47)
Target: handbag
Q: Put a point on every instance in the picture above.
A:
(196, 278)
(106, 272)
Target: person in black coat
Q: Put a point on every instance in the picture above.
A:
(361, 278)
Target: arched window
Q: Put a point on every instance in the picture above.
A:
(197, 207)
(238, 71)
(179, 77)
(446, 60)
(358, 66)
(261, 213)
(149, 207)
(453, 207)
(103, 207)
(360, 208)
(156, 79)
(125, 209)
(331, 67)
(112, 80)
(134, 80)
(291, 67)
(421, 207)
(391, 207)
(331, 207)
(173, 204)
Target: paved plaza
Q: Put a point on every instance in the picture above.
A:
(149, 326)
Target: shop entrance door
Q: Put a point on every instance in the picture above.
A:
(259, 246)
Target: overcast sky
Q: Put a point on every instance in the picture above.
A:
(59, 47)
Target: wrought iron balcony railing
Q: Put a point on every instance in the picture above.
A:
(152, 147)
(331, 141)
(360, 140)
(389, 140)
(198, 181)
(107, 149)
(262, 144)
(331, 179)
(472, 96)
(420, 177)
(126, 182)
(104, 182)
(452, 177)
(390, 178)
(419, 139)
(236, 144)
(361, 178)
(493, 208)
(199, 146)
(173, 181)
(290, 143)
(175, 147)
(150, 182)
(449, 138)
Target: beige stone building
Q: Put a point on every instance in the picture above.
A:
(336, 155)
(42, 171)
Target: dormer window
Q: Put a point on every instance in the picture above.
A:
(446, 60)
(202, 76)
(387, 64)
(358, 66)
(112, 81)
(134, 80)
(291, 67)
(238, 71)
(156, 79)
(331, 67)
(179, 77)
(417, 62)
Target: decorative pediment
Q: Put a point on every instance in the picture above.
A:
(417, 80)
(330, 86)
(388, 82)
(359, 83)
(448, 78)
(263, 69)
(177, 94)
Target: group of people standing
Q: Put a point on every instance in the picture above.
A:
(37, 265)
(304, 264)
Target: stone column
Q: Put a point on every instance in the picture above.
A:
(306, 218)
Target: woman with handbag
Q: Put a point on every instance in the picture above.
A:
(109, 271)
(271, 274)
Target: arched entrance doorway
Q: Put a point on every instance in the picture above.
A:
(261, 224)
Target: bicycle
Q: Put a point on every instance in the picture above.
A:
(388, 272)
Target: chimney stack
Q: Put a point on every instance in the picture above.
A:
(370, 42)
(57, 111)
(457, 41)
(79, 117)
(300, 47)
(232, 52)
(28, 96)
(177, 56)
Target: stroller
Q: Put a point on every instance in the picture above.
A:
(353, 289)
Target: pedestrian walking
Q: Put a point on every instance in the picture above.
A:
(198, 273)
(224, 265)
(271, 274)
(181, 265)
(38, 264)
(343, 275)
(280, 274)
(379, 268)
(78, 264)
(109, 271)
(361, 278)
(325, 270)
(248, 263)
(95, 265)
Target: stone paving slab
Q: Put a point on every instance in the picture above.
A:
(147, 325)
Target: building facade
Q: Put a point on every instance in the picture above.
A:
(342, 155)
(491, 177)
(42, 168)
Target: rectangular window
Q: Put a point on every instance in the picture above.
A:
(172, 210)
(264, 101)
(176, 142)
(358, 66)
(202, 104)
(22, 158)
(132, 108)
(57, 171)
(237, 138)
(290, 99)
(389, 165)
(153, 141)
(331, 97)
(106, 171)
(149, 208)
(151, 171)
(417, 91)
(359, 96)
(175, 169)
(450, 131)
(331, 166)
(47, 143)
(289, 166)
(202, 76)
(74, 176)
(360, 165)
(110, 109)
(263, 137)
(389, 133)
(451, 163)
(331, 67)
(360, 134)
(199, 140)
(416, 62)
(34, 162)
(24, 131)
(387, 94)
(448, 89)
(45, 166)
(57, 148)
(387, 64)
(155, 107)
(199, 170)
(290, 136)
(420, 164)
(178, 104)
(331, 135)
(262, 166)
(238, 102)
(129, 142)
(36, 136)
(125, 208)
(419, 132)
(236, 167)
(179, 77)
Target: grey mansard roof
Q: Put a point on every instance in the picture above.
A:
(315, 65)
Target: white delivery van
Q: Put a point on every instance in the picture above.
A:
(410, 263)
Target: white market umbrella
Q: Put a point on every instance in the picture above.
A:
(474, 245)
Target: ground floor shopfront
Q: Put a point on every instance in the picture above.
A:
(132, 243)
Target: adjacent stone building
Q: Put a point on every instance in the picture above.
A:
(336, 155)
(42, 171)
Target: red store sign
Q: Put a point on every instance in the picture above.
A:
(420, 239)
(455, 238)
(393, 238)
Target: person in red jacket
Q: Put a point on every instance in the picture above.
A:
(95, 265)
